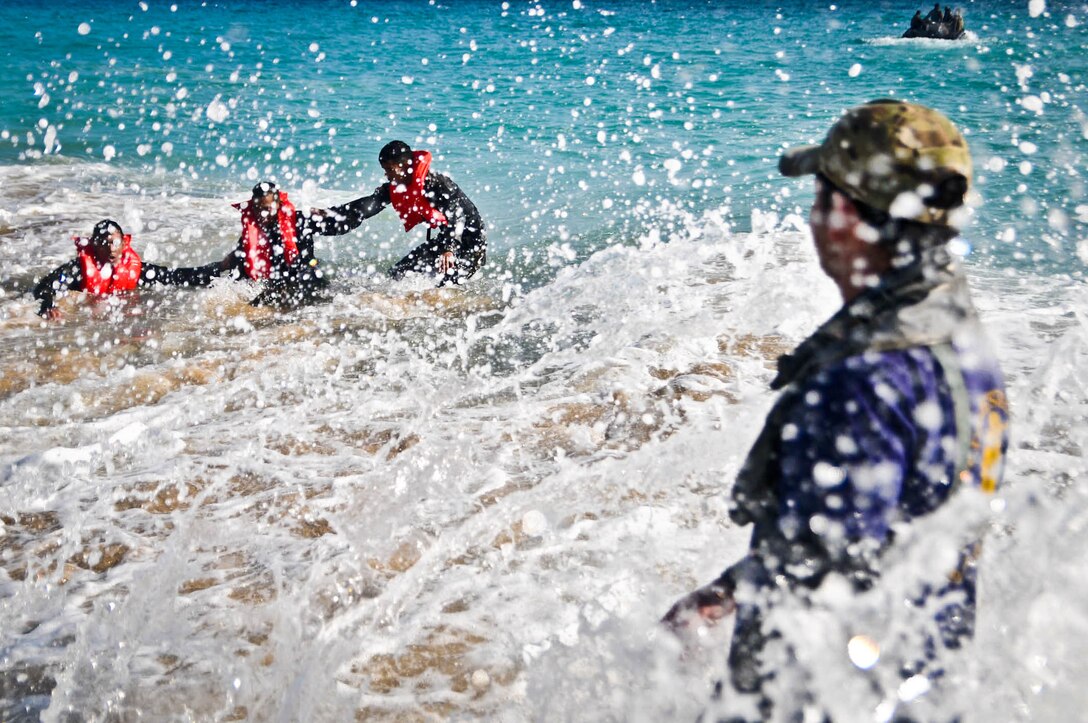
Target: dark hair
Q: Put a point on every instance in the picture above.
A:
(102, 230)
(394, 151)
(263, 188)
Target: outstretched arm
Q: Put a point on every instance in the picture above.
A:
(152, 274)
(339, 220)
(64, 277)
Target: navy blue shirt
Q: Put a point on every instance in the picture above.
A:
(887, 408)
(871, 440)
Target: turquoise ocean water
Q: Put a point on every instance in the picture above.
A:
(564, 123)
(475, 503)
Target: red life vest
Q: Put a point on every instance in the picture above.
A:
(258, 258)
(109, 279)
(409, 202)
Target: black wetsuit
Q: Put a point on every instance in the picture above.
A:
(463, 233)
(69, 277)
(302, 280)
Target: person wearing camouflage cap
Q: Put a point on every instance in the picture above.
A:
(902, 159)
(887, 410)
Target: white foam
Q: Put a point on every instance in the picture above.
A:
(405, 467)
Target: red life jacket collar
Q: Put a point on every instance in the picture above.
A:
(408, 199)
(255, 241)
(109, 278)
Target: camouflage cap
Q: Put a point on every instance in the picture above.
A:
(902, 158)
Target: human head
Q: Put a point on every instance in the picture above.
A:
(903, 160)
(266, 200)
(889, 176)
(396, 160)
(107, 241)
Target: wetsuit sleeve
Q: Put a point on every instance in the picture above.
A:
(151, 274)
(67, 277)
(446, 236)
(367, 206)
(460, 212)
(341, 219)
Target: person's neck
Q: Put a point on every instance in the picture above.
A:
(876, 266)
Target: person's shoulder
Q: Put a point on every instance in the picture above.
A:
(876, 363)
(888, 376)
(66, 275)
(68, 268)
(868, 393)
(440, 180)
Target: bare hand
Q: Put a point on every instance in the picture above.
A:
(704, 607)
(51, 314)
(447, 263)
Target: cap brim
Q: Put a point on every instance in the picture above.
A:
(800, 161)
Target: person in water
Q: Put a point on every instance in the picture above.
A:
(106, 264)
(456, 245)
(277, 244)
(887, 410)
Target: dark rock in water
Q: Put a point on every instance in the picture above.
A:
(25, 692)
